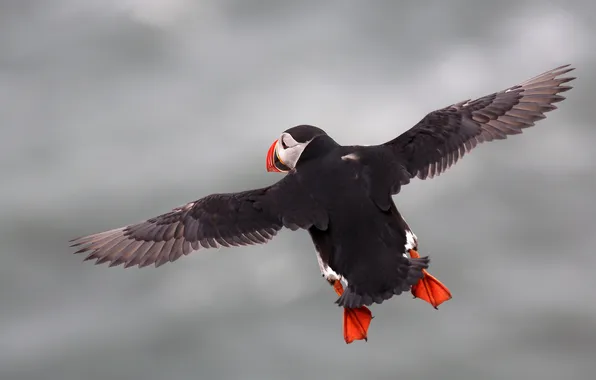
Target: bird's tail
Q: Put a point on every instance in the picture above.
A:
(351, 299)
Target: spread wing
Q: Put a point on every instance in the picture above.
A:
(228, 220)
(443, 136)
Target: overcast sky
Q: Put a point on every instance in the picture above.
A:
(112, 112)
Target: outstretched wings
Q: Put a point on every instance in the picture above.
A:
(229, 220)
(443, 136)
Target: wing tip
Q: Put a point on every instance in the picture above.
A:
(563, 69)
(549, 75)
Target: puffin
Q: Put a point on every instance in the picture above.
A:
(342, 195)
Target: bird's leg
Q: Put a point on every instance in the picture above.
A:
(429, 288)
(356, 321)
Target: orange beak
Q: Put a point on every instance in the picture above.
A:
(274, 163)
(271, 158)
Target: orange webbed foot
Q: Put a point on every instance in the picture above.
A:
(429, 288)
(356, 321)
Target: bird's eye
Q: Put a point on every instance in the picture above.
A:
(283, 144)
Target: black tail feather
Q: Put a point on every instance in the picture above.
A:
(351, 299)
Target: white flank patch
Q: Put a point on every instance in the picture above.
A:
(351, 157)
(326, 271)
(411, 241)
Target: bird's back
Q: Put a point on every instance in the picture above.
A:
(364, 243)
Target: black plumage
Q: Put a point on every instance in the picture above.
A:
(228, 220)
(340, 194)
(442, 137)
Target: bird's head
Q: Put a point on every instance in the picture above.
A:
(285, 152)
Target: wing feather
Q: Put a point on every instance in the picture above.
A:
(228, 220)
(444, 136)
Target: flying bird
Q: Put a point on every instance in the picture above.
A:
(342, 195)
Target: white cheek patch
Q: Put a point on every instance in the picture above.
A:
(288, 139)
(290, 156)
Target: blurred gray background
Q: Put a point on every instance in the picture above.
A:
(113, 111)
